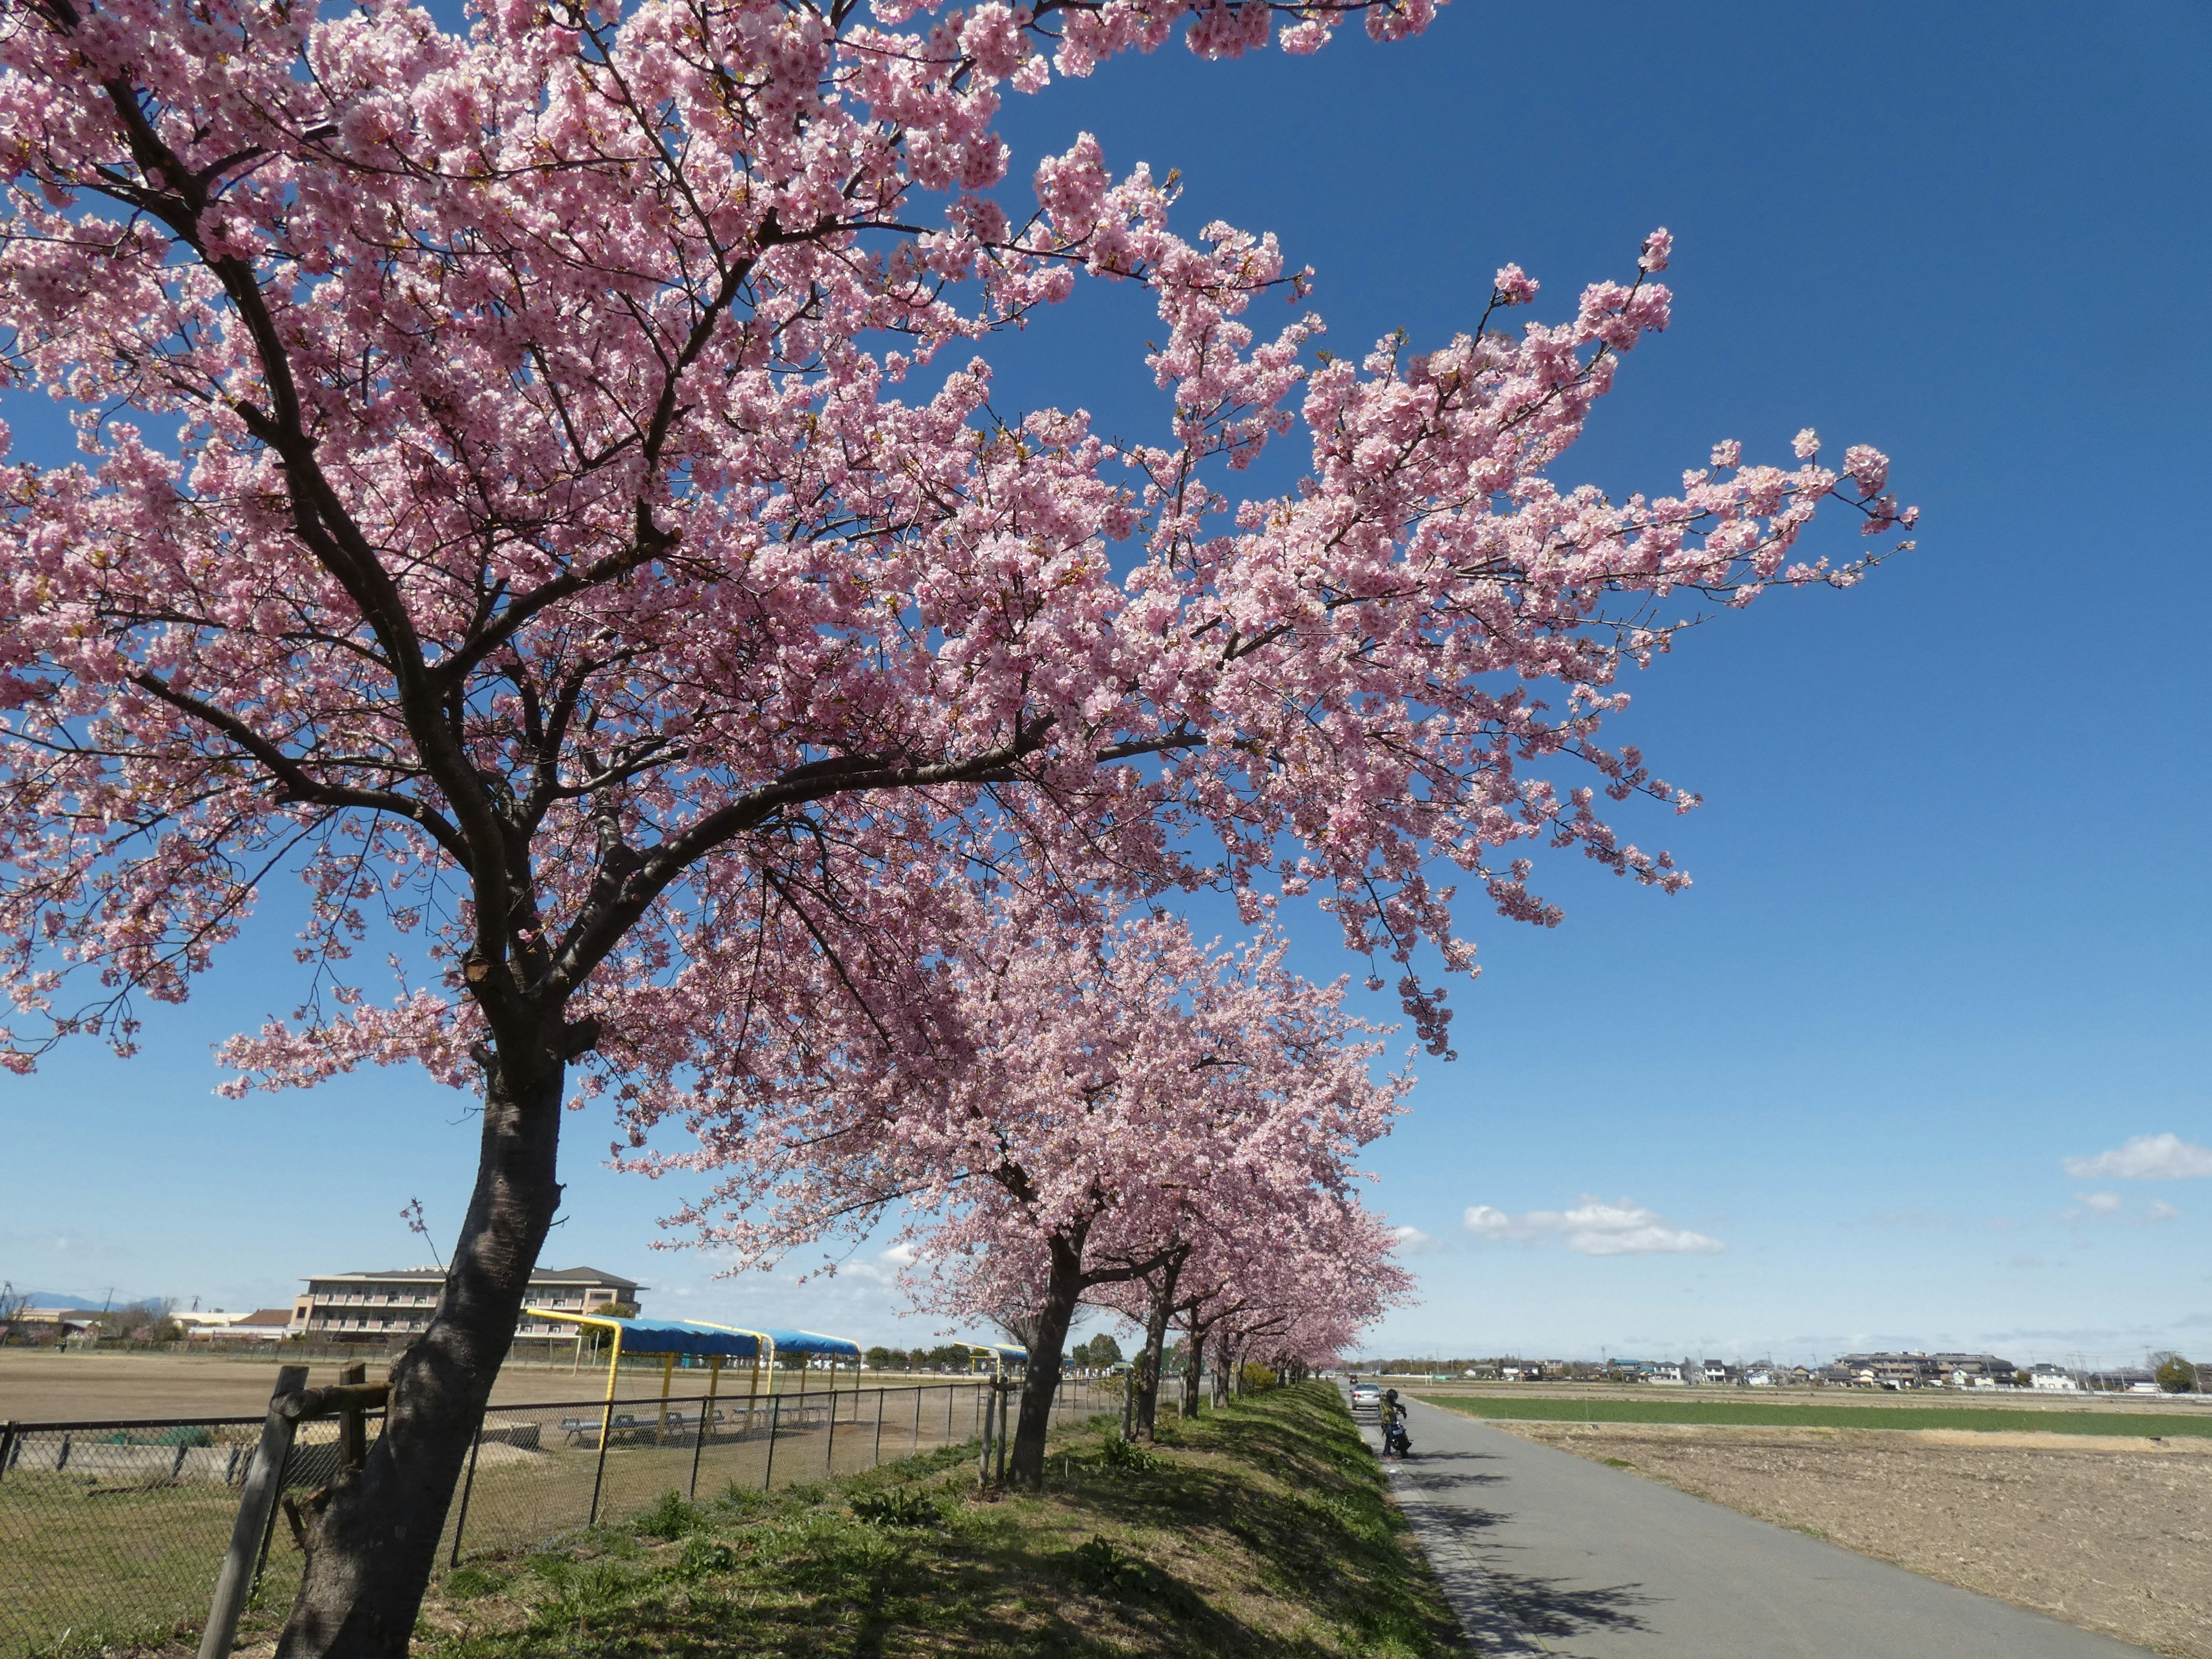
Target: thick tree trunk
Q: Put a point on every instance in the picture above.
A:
(1193, 1370)
(1063, 1288)
(372, 1545)
(1148, 1362)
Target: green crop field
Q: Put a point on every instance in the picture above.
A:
(1751, 1413)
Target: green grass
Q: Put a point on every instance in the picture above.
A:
(1262, 1529)
(1750, 1413)
(93, 1566)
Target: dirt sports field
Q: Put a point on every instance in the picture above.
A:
(2112, 1533)
(42, 1385)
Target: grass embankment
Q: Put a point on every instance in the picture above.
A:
(1261, 1529)
(1751, 1413)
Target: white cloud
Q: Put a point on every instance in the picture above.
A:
(2100, 1203)
(1595, 1228)
(2145, 1157)
(1412, 1241)
(2161, 1210)
(884, 1270)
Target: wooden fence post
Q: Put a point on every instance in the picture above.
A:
(256, 1508)
(983, 1440)
(1005, 1390)
(353, 1423)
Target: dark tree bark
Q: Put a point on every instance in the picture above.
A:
(372, 1543)
(1156, 1337)
(1063, 1289)
(1194, 1370)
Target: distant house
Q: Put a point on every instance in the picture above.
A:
(2128, 1379)
(2051, 1379)
(262, 1325)
(1916, 1370)
(375, 1307)
(62, 1321)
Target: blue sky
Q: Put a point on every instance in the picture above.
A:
(1949, 924)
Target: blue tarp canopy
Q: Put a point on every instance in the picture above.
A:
(688, 1336)
(1005, 1353)
(813, 1342)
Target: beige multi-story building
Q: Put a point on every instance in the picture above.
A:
(373, 1306)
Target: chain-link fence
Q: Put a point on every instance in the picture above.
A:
(111, 1533)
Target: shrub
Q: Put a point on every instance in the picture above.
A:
(466, 1583)
(903, 1506)
(582, 1588)
(1256, 1378)
(1099, 1566)
(1125, 1457)
(703, 1555)
(669, 1517)
(2176, 1374)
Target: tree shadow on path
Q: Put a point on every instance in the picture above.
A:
(1552, 1607)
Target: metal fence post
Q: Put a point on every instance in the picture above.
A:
(775, 1413)
(468, 1486)
(876, 1457)
(257, 1510)
(948, 1414)
(606, 1429)
(829, 1439)
(8, 1437)
(706, 1420)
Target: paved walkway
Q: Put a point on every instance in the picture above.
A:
(1546, 1554)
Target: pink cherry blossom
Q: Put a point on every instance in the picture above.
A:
(1513, 286)
(539, 486)
(1073, 1109)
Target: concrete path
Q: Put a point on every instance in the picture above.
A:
(1543, 1552)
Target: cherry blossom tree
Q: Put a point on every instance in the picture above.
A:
(522, 493)
(1304, 1278)
(1092, 1102)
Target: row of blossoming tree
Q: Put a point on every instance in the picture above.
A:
(1092, 1113)
(535, 485)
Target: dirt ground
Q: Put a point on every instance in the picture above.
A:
(46, 1385)
(2115, 1535)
